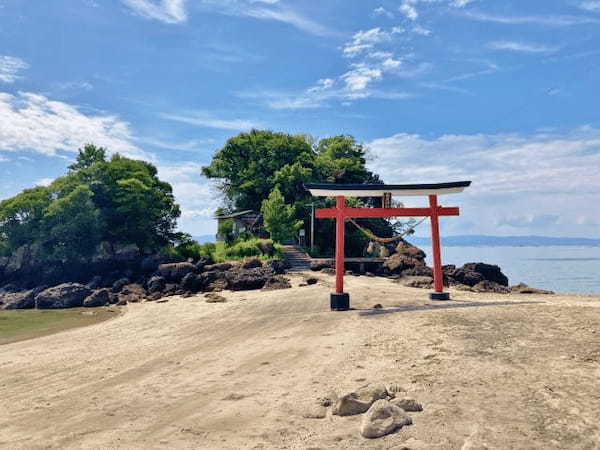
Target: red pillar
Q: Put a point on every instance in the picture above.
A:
(438, 280)
(340, 203)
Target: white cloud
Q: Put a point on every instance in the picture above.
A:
(197, 196)
(461, 3)
(10, 67)
(167, 11)
(33, 122)
(590, 5)
(421, 30)
(409, 10)
(512, 174)
(381, 11)
(547, 20)
(364, 40)
(44, 182)
(522, 47)
(206, 120)
(361, 76)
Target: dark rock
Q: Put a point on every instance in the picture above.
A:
(419, 271)
(311, 280)
(66, 295)
(398, 263)
(154, 296)
(100, 297)
(252, 263)
(473, 273)
(175, 272)
(244, 280)
(113, 298)
(156, 284)
(490, 286)
(277, 282)
(416, 282)
(219, 267)
(201, 263)
(522, 288)
(18, 300)
(192, 282)
(278, 266)
(217, 286)
(405, 249)
(377, 306)
(119, 284)
(135, 289)
(150, 263)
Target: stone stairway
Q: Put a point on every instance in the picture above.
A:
(297, 259)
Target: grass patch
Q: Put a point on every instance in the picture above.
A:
(19, 325)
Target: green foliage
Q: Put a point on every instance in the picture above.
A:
(278, 217)
(252, 247)
(120, 201)
(225, 229)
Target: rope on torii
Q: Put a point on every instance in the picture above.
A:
(382, 240)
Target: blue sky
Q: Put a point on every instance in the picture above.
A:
(502, 93)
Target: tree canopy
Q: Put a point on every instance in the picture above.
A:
(116, 200)
(250, 166)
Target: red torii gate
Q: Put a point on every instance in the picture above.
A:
(340, 301)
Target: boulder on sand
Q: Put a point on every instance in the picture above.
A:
(100, 297)
(66, 295)
(156, 284)
(18, 300)
(175, 272)
(471, 274)
(358, 402)
(383, 418)
(407, 404)
(522, 288)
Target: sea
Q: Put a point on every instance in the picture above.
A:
(563, 269)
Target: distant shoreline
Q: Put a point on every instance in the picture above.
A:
(507, 241)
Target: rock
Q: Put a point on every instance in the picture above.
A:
(217, 286)
(277, 265)
(119, 284)
(277, 282)
(175, 272)
(328, 271)
(463, 287)
(314, 411)
(490, 286)
(406, 249)
(18, 300)
(369, 274)
(473, 273)
(383, 418)
(310, 281)
(135, 289)
(113, 298)
(522, 288)
(214, 298)
(219, 267)
(129, 298)
(416, 282)
(377, 306)
(252, 263)
(419, 271)
(122, 301)
(350, 405)
(201, 264)
(156, 284)
(248, 279)
(154, 296)
(100, 297)
(372, 392)
(397, 263)
(192, 283)
(66, 295)
(407, 404)
(393, 389)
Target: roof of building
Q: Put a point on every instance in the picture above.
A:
(377, 190)
(236, 214)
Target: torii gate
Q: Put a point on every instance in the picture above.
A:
(340, 301)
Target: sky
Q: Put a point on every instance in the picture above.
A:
(505, 94)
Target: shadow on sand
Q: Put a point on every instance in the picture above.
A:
(451, 305)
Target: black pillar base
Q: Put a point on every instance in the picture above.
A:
(340, 302)
(439, 296)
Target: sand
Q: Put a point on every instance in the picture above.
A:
(492, 371)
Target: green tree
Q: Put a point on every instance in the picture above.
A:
(89, 155)
(279, 218)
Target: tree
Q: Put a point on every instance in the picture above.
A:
(278, 217)
(119, 201)
(88, 156)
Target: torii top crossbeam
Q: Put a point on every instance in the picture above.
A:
(340, 300)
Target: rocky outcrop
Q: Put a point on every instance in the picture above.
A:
(522, 288)
(18, 300)
(67, 295)
(277, 282)
(101, 297)
(471, 274)
(176, 271)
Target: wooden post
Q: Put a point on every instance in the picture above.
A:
(438, 276)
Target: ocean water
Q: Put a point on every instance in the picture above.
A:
(562, 268)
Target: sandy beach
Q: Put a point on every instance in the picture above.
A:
(492, 371)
